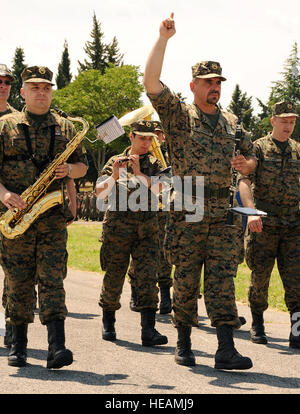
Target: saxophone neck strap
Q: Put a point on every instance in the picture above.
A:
(39, 164)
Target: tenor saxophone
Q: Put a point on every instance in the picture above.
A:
(14, 223)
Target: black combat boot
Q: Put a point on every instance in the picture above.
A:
(133, 299)
(294, 339)
(257, 331)
(58, 355)
(165, 300)
(8, 335)
(18, 351)
(108, 325)
(150, 336)
(227, 357)
(183, 352)
(242, 320)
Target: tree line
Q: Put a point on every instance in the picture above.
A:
(104, 86)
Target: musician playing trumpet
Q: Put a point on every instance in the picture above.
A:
(130, 232)
(29, 140)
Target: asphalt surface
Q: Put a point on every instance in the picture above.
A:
(125, 367)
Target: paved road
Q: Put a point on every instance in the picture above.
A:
(125, 367)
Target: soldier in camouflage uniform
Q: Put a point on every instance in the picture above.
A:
(28, 141)
(200, 139)
(6, 79)
(86, 206)
(94, 212)
(276, 190)
(130, 233)
(78, 203)
(164, 272)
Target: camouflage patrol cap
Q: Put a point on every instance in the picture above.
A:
(37, 74)
(4, 71)
(207, 69)
(284, 109)
(157, 126)
(144, 128)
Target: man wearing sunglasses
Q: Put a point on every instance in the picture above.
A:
(6, 79)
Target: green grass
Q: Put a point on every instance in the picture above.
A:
(276, 292)
(84, 248)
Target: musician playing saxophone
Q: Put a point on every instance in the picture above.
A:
(29, 141)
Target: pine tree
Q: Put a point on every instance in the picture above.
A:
(113, 53)
(95, 49)
(288, 89)
(241, 106)
(260, 125)
(100, 54)
(18, 66)
(64, 75)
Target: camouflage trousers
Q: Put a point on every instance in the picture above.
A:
(189, 246)
(125, 234)
(283, 244)
(38, 256)
(4, 292)
(164, 271)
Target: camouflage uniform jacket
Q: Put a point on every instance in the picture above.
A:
(196, 149)
(149, 165)
(9, 110)
(17, 171)
(276, 181)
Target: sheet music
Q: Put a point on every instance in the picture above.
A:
(110, 129)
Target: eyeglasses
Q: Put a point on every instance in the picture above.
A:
(6, 82)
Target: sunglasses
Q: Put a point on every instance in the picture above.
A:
(6, 82)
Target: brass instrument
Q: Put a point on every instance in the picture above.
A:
(156, 152)
(137, 115)
(144, 113)
(15, 223)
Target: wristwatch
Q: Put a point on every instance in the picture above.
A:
(70, 169)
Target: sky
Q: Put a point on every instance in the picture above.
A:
(250, 38)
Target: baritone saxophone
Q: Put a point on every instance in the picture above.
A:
(14, 223)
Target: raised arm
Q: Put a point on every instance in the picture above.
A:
(155, 60)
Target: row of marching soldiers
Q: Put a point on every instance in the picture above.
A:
(86, 206)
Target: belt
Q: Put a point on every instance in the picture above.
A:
(222, 192)
(139, 215)
(276, 210)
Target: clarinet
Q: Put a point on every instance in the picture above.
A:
(234, 173)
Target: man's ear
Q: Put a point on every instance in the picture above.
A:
(192, 86)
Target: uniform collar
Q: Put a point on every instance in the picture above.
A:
(27, 120)
(275, 148)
